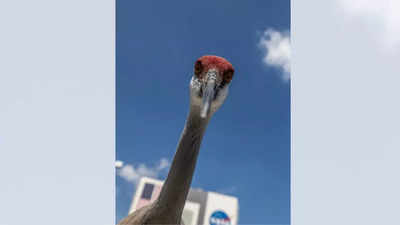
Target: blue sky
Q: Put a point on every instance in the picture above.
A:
(246, 149)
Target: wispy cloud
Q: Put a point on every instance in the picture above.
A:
(164, 164)
(276, 48)
(132, 173)
(382, 16)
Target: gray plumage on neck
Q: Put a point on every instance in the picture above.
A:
(168, 208)
(175, 189)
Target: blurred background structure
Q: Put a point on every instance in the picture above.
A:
(201, 208)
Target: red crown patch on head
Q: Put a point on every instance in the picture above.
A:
(224, 67)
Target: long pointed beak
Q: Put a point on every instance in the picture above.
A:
(208, 95)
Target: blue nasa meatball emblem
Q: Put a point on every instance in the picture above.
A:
(219, 218)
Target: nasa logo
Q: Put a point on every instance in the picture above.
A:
(219, 218)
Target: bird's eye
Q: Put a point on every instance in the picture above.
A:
(198, 68)
(228, 75)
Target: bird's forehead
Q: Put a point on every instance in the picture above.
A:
(215, 62)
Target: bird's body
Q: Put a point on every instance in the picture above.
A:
(208, 90)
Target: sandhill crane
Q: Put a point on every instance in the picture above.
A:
(208, 90)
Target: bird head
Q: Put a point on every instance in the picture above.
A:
(210, 83)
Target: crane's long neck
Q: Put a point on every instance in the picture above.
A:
(175, 189)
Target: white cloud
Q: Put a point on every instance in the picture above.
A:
(382, 16)
(132, 173)
(119, 164)
(164, 163)
(276, 47)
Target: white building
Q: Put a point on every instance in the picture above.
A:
(201, 208)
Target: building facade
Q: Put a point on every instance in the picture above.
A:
(201, 208)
